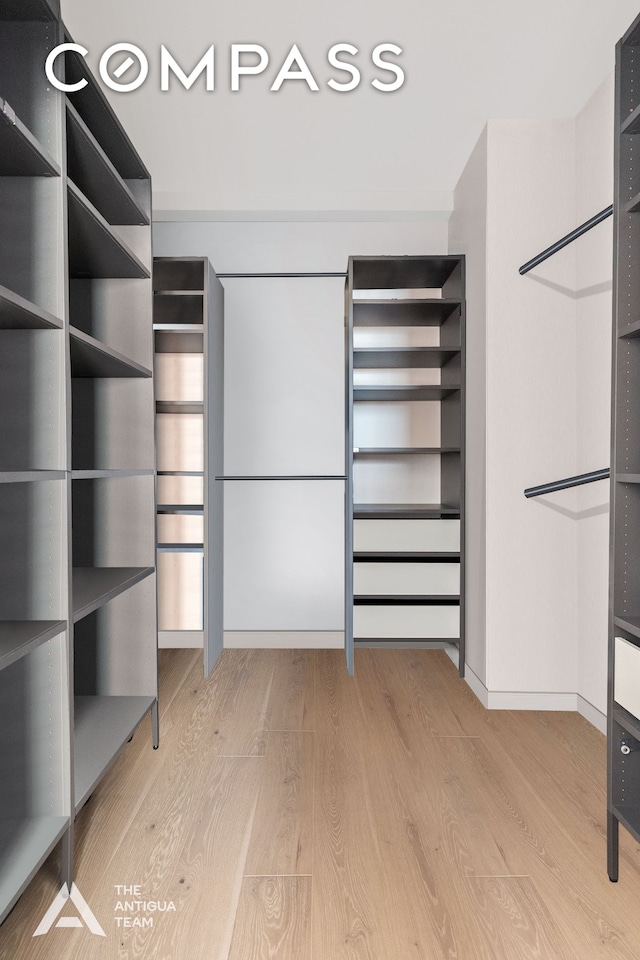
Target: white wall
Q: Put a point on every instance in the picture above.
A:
(547, 367)
(594, 265)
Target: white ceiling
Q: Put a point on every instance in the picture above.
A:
(351, 154)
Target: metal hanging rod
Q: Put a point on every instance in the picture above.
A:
(570, 237)
(282, 276)
(569, 482)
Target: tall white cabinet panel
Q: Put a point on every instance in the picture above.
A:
(284, 375)
(284, 555)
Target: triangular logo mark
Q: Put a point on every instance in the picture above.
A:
(84, 910)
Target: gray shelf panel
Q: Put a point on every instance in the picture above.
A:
(632, 123)
(405, 357)
(179, 293)
(630, 624)
(180, 547)
(403, 313)
(96, 111)
(408, 600)
(179, 406)
(180, 327)
(402, 556)
(19, 637)
(402, 451)
(92, 358)
(94, 249)
(102, 726)
(25, 845)
(627, 477)
(91, 169)
(107, 474)
(630, 331)
(180, 508)
(632, 205)
(384, 393)
(21, 155)
(16, 313)
(407, 641)
(626, 720)
(399, 273)
(181, 473)
(24, 10)
(404, 511)
(30, 476)
(95, 586)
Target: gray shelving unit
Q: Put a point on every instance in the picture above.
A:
(78, 639)
(189, 344)
(405, 340)
(624, 609)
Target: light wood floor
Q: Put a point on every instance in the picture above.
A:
(295, 813)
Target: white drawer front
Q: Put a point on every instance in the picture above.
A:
(412, 623)
(627, 676)
(406, 578)
(410, 535)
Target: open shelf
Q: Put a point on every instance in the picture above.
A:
(23, 10)
(404, 511)
(177, 276)
(627, 477)
(102, 725)
(630, 624)
(21, 155)
(401, 451)
(20, 637)
(403, 313)
(94, 108)
(626, 720)
(25, 844)
(386, 393)
(179, 327)
(402, 357)
(16, 313)
(91, 358)
(94, 173)
(178, 308)
(401, 273)
(180, 508)
(95, 586)
(94, 249)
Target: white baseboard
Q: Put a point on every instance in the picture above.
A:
(180, 639)
(528, 700)
(284, 640)
(592, 714)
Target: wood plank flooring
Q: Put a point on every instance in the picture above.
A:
(295, 813)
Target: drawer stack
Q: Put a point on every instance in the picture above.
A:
(405, 451)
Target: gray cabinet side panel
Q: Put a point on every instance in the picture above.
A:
(214, 489)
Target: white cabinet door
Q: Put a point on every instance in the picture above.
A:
(284, 555)
(284, 377)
